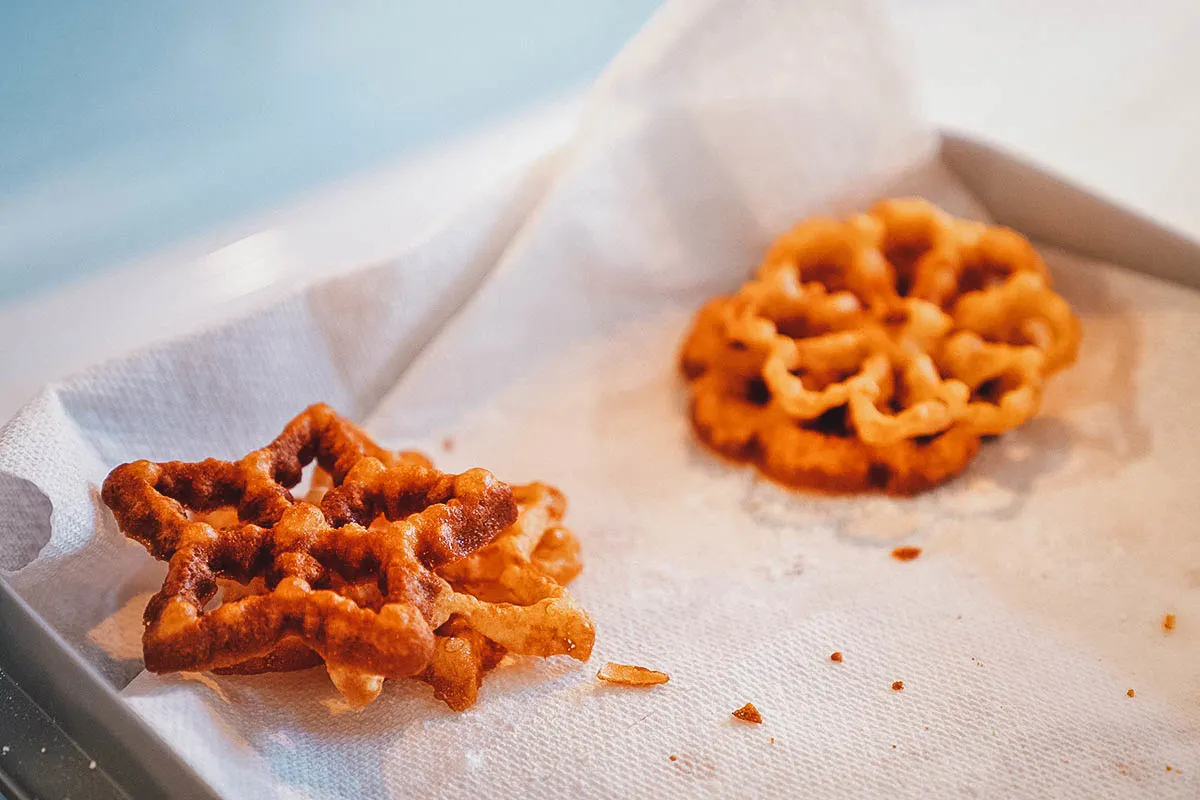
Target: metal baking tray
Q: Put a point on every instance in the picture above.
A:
(69, 734)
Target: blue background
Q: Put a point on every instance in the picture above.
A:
(127, 125)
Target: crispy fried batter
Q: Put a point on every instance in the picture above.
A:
(460, 660)
(628, 675)
(290, 654)
(748, 713)
(510, 598)
(906, 553)
(873, 353)
(352, 576)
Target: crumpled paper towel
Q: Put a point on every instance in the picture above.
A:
(1046, 570)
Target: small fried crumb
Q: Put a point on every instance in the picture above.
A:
(627, 675)
(1168, 622)
(448, 444)
(1130, 693)
(906, 553)
(898, 686)
(748, 713)
(893, 747)
(1168, 767)
(772, 740)
(836, 655)
(673, 758)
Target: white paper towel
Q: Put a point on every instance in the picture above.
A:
(1047, 566)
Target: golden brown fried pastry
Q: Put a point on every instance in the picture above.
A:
(353, 575)
(525, 567)
(873, 353)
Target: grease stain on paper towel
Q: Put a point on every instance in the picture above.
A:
(336, 706)
(206, 680)
(876, 520)
(697, 767)
(120, 635)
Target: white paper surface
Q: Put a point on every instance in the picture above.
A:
(1047, 566)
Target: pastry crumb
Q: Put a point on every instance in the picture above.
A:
(906, 553)
(1129, 693)
(748, 713)
(897, 686)
(628, 675)
(1168, 622)
(836, 655)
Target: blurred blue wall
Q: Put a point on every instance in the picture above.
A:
(128, 124)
